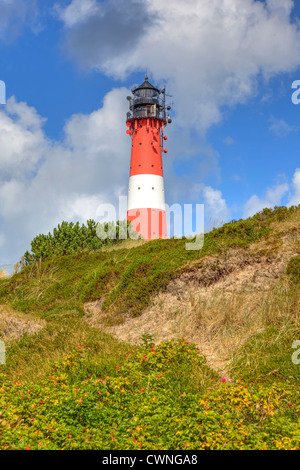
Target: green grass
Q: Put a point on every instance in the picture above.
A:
(148, 402)
(188, 406)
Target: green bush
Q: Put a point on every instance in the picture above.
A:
(68, 238)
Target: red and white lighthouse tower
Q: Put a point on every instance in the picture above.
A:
(146, 121)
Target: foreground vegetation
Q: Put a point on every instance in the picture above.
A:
(72, 386)
(150, 402)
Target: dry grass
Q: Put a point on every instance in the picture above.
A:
(218, 321)
(39, 280)
(220, 302)
(125, 244)
(3, 274)
(13, 325)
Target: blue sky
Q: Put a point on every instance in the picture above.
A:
(68, 67)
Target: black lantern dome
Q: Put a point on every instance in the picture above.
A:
(147, 101)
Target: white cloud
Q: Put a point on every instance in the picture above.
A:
(44, 181)
(273, 197)
(228, 140)
(77, 11)
(22, 141)
(215, 206)
(281, 128)
(280, 8)
(295, 198)
(210, 52)
(15, 15)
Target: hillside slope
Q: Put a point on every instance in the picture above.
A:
(219, 297)
(221, 300)
(108, 318)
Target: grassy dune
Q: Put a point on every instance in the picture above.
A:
(230, 383)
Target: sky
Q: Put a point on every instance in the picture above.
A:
(228, 65)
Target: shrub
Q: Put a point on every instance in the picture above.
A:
(68, 238)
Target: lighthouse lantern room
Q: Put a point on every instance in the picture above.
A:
(146, 122)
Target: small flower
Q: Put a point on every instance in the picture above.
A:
(69, 436)
(28, 448)
(290, 404)
(118, 367)
(223, 379)
(142, 390)
(79, 347)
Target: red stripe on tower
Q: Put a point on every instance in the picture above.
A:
(146, 121)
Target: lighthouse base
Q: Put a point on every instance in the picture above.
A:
(150, 224)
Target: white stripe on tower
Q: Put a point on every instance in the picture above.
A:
(146, 191)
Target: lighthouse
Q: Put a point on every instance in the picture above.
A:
(146, 122)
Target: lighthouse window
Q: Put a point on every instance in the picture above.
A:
(139, 187)
(152, 166)
(152, 187)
